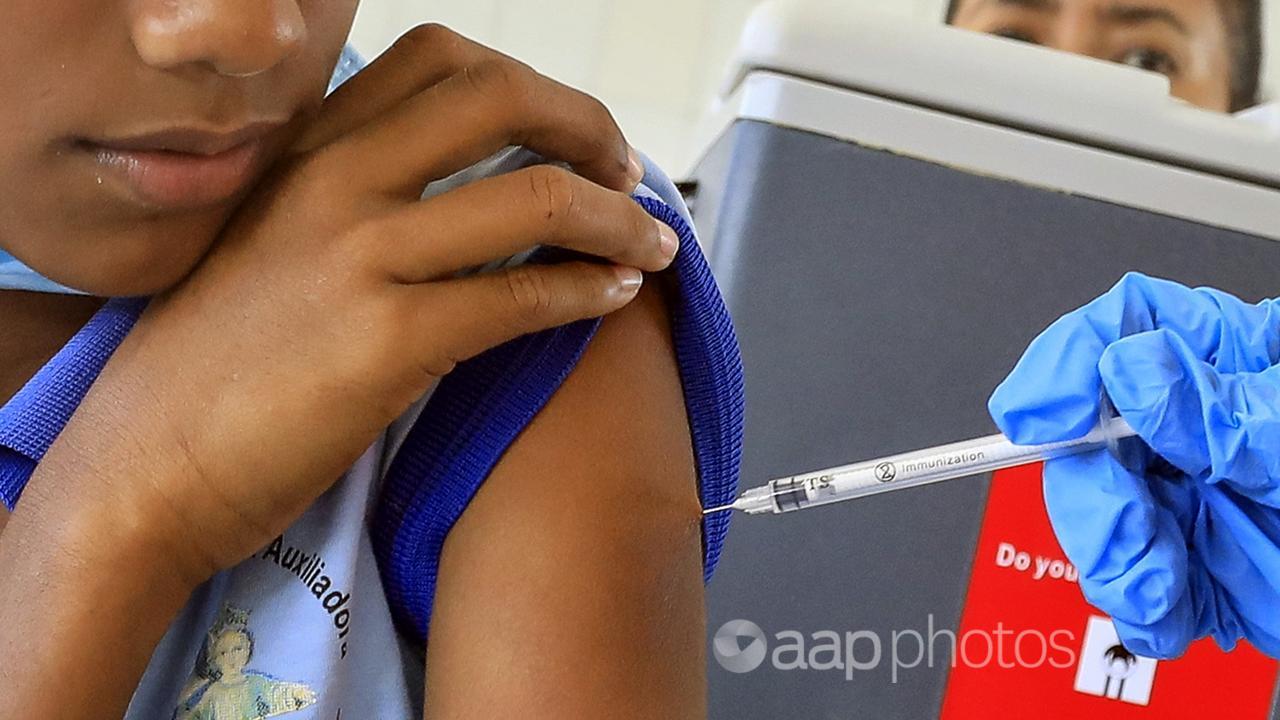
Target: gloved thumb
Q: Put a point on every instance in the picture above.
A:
(1213, 426)
(1130, 552)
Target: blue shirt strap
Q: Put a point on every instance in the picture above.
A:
(36, 415)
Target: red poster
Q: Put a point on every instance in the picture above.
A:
(1029, 646)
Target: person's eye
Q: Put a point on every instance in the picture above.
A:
(1013, 33)
(1150, 59)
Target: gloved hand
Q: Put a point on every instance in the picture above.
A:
(1186, 548)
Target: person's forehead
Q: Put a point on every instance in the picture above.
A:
(1185, 11)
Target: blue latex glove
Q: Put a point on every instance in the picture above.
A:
(1171, 553)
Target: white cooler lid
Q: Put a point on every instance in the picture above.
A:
(999, 81)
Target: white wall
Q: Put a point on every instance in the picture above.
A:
(656, 63)
(653, 62)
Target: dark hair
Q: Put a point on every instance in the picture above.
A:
(1244, 35)
(1244, 31)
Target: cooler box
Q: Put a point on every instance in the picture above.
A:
(894, 211)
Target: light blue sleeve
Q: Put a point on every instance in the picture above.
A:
(657, 185)
(349, 63)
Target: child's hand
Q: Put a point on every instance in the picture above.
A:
(326, 308)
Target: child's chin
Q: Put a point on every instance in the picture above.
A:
(147, 261)
(148, 284)
(117, 280)
(121, 259)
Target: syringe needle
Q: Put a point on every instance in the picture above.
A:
(722, 508)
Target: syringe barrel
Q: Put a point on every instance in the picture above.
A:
(947, 462)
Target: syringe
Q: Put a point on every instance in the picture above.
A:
(912, 469)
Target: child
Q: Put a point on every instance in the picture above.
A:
(237, 478)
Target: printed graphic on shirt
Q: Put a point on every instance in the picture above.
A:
(224, 687)
(309, 569)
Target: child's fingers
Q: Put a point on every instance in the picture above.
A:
(501, 216)
(475, 113)
(420, 58)
(456, 320)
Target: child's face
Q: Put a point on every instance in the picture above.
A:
(231, 652)
(77, 71)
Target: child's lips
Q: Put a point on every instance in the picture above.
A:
(179, 180)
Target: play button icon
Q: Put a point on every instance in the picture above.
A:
(739, 646)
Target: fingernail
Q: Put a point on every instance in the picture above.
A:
(629, 279)
(668, 242)
(635, 166)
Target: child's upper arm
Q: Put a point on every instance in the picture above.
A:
(4, 518)
(588, 528)
(533, 415)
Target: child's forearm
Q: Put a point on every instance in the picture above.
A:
(83, 603)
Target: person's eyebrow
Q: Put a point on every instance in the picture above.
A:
(1139, 14)
(1028, 4)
